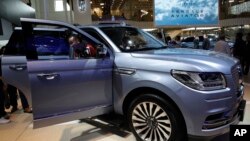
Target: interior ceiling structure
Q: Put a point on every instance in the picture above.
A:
(114, 4)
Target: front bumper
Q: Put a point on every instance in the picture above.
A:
(214, 115)
(222, 125)
(224, 118)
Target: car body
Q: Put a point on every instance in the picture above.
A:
(155, 87)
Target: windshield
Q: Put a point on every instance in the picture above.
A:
(130, 39)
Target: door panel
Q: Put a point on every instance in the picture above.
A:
(62, 87)
(14, 72)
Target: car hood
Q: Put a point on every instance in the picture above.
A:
(205, 60)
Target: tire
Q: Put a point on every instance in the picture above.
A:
(152, 118)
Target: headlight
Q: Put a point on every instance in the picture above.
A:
(204, 81)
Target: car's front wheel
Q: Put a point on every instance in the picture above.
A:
(152, 118)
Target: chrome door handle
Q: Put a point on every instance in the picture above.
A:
(48, 76)
(18, 67)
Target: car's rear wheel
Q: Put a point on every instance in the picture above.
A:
(152, 118)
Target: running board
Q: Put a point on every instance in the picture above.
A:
(38, 123)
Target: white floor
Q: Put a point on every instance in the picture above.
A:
(20, 129)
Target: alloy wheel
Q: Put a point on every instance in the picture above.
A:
(151, 122)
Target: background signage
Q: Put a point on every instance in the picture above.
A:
(186, 12)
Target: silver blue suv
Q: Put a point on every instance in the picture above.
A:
(164, 93)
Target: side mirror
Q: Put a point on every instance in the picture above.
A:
(101, 51)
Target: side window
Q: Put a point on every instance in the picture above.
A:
(49, 43)
(46, 44)
(129, 38)
(81, 48)
(116, 35)
(58, 43)
(93, 33)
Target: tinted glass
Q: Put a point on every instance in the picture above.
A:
(46, 43)
(58, 43)
(16, 43)
(131, 39)
(49, 45)
(93, 33)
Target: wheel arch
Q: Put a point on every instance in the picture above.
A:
(139, 91)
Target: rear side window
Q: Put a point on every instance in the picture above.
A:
(48, 45)
(50, 42)
(55, 43)
(41, 43)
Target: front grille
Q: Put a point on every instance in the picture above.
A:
(236, 74)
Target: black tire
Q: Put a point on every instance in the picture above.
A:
(153, 118)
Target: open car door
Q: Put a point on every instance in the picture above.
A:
(62, 88)
(14, 64)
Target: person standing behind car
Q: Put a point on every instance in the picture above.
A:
(12, 91)
(246, 55)
(238, 49)
(169, 42)
(4, 117)
(177, 42)
(206, 43)
(196, 42)
(222, 46)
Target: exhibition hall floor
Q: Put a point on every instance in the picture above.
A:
(21, 128)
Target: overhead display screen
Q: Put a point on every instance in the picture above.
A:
(186, 12)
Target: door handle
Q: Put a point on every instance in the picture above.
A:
(18, 67)
(48, 76)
